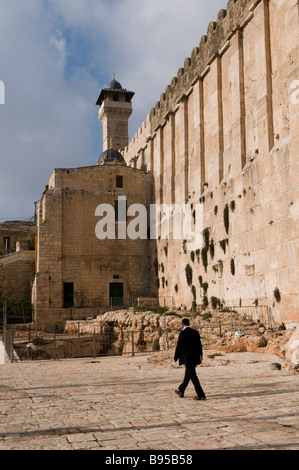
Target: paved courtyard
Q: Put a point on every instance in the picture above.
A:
(122, 403)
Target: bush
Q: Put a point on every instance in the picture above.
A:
(215, 302)
(232, 266)
(206, 316)
(205, 301)
(204, 257)
(226, 218)
(189, 274)
(277, 295)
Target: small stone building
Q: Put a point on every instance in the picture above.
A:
(17, 260)
(81, 271)
(16, 235)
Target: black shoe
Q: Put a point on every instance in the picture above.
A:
(180, 394)
(199, 398)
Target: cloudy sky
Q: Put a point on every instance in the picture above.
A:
(57, 55)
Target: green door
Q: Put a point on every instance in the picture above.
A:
(116, 294)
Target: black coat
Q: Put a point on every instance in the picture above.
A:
(189, 348)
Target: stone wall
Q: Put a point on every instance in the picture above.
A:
(17, 259)
(68, 250)
(225, 134)
(16, 274)
(16, 235)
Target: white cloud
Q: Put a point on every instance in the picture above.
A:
(44, 122)
(56, 55)
(59, 42)
(146, 42)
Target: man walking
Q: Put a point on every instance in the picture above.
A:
(189, 352)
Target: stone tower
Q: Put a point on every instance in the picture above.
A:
(115, 110)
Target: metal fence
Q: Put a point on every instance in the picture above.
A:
(82, 339)
(8, 344)
(116, 302)
(253, 313)
(53, 343)
(7, 337)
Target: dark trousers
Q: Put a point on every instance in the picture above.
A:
(190, 374)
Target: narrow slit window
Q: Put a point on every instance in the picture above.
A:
(119, 181)
(68, 294)
(6, 243)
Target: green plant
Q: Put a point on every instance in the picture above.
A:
(277, 295)
(205, 301)
(17, 310)
(206, 316)
(193, 290)
(176, 288)
(205, 287)
(172, 314)
(206, 236)
(204, 257)
(212, 249)
(225, 309)
(159, 310)
(223, 244)
(215, 302)
(226, 217)
(232, 266)
(189, 274)
(156, 264)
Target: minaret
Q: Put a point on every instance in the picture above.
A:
(115, 110)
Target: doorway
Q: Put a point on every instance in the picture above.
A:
(116, 294)
(68, 294)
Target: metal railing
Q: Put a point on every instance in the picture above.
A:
(257, 313)
(7, 337)
(116, 302)
(83, 339)
(8, 342)
(55, 344)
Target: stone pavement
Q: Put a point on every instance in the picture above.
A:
(124, 403)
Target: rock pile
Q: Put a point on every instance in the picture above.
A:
(219, 331)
